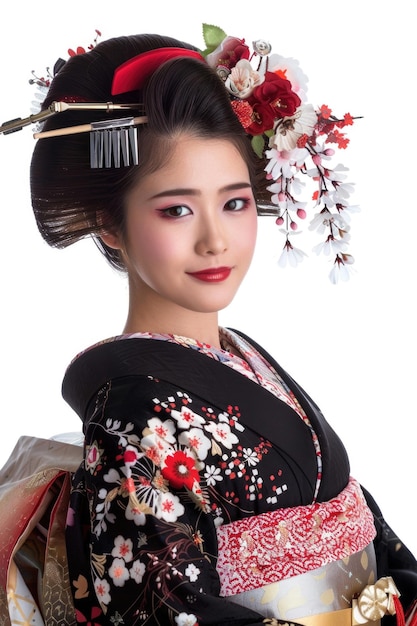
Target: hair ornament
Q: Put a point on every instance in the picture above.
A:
(113, 142)
(131, 75)
(42, 83)
(297, 140)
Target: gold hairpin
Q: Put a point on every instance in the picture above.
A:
(112, 142)
(85, 128)
(59, 107)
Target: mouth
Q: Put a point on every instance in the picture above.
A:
(213, 274)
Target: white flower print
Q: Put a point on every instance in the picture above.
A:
(186, 619)
(187, 418)
(123, 548)
(168, 507)
(119, 572)
(212, 475)
(155, 448)
(197, 441)
(250, 457)
(158, 438)
(192, 572)
(164, 430)
(134, 514)
(222, 433)
(137, 571)
(102, 589)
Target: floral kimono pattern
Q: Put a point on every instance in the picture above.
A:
(180, 439)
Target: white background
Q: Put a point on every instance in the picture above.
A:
(352, 346)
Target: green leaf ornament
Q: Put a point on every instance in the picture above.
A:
(258, 144)
(213, 36)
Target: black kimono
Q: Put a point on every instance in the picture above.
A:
(181, 442)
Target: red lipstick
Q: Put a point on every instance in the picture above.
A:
(212, 274)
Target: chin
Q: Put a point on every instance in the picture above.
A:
(214, 307)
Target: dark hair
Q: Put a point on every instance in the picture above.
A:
(69, 198)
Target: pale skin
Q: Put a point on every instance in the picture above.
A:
(190, 238)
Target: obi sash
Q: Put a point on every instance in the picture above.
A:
(288, 542)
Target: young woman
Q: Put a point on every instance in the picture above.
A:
(212, 489)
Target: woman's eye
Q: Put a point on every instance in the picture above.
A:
(237, 204)
(176, 211)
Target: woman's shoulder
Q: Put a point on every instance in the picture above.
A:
(144, 355)
(108, 359)
(140, 355)
(96, 348)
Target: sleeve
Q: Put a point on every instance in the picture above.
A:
(394, 559)
(141, 535)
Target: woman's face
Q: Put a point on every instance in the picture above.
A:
(191, 229)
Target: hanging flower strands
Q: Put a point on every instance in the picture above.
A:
(268, 94)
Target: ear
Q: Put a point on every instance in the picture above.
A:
(112, 240)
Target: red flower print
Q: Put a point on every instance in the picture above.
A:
(95, 613)
(180, 470)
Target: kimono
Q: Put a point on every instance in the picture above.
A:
(210, 483)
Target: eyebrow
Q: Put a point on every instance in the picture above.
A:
(184, 191)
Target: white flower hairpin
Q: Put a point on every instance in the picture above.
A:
(298, 140)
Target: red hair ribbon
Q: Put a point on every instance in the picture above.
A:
(131, 75)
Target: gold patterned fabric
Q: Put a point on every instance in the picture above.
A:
(34, 494)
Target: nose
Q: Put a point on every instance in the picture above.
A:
(212, 237)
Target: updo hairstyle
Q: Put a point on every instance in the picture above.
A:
(70, 199)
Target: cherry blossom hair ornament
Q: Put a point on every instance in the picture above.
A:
(295, 142)
(295, 139)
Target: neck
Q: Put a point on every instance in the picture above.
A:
(173, 320)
